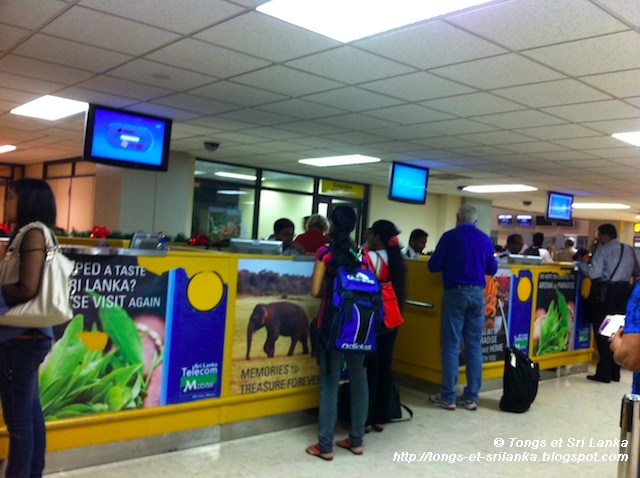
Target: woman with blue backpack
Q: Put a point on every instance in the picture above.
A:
(339, 254)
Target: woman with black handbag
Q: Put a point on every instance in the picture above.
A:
(22, 350)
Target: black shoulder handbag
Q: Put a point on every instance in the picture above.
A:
(599, 291)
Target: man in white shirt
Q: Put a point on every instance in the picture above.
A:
(538, 250)
(417, 242)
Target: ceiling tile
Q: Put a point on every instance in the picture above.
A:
(11, 35)
(169, 14)
(458, 126)
(595, 111)
(558, 131)
(352, 99)
(623, 84)
(624, 8)
(69, 53)
(417, 87)
(301, 109)
(240, 94)
(552, 93)
(131, 89)
(519, 119)
(284, 80)
(591, 56)
(533, 23)
(430, 45)
(496, 137)
(21, 85)
(195, 103)
(30, 14)
(498, 71)
(266, 37)
(473, 104)
(160, 75)
(409, 114)
(363, 66)
(108, 31)
(206, 58)
(43, 70)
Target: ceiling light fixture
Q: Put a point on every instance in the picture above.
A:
(499, 188)
(244, 177)
(6, 148)
(348, 20)
(339, 160)
(50, 108)
(599, 205)
(631, 137)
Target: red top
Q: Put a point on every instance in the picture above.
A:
(312, 240)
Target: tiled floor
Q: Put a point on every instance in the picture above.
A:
(572, 409)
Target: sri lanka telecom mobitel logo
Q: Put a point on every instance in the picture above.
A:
(200, 377)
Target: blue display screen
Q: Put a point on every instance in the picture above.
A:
(524, 220)
(408, 183)
(505, 220)
(559, 206)
(127, 139)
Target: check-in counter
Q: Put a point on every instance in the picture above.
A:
(539, 308)
(165, 342)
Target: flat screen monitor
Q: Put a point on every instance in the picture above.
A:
(407, 183)
(505, 219)
(145, 240)
(524, 220)
(543, 221)
(559, 206)
(255, 246)
(126, 139)
(525, 260)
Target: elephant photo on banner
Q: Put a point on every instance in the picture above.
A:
(271, 346)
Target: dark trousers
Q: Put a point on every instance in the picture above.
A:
(19, 391)
(617, 298)
(379, 377)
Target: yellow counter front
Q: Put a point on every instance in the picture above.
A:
(185, 341)
(160, 345)
(520, 301)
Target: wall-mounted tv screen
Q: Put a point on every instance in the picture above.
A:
(525, 220)
(126, 139)
(407, 183)
(559, 206)
(543, 221)
(505, 219)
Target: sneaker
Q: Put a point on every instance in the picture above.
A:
(436, 400)
(468, 404)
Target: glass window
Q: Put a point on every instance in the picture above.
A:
(275, 205)
(225, 172)
(222, 210)
(292, 182)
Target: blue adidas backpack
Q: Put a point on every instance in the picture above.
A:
(355, 312)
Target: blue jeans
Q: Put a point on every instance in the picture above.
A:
(462, 319)
(329, 380)
(20, 394)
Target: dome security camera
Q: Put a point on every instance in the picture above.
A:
(211, 145)
(526, 203)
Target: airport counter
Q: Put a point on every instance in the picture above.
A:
(540, 307)
(165, 342)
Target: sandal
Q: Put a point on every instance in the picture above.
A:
(346, 444)
(314, 450)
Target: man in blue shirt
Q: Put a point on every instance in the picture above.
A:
(464, 255)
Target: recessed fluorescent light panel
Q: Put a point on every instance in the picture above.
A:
(244, 177)
(499, 188)
(599, 205)
(632, 137)
(6, 148)
(50, 108)
(339, 160)
(349, 20)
